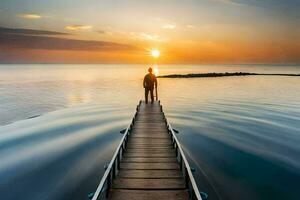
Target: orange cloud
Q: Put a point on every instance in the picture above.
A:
(169, 26)
(78, 27)
(147, 37)
(39, 39)
(190, 26)
(30, 16)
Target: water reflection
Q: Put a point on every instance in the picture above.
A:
(52, 155)
(78, 97)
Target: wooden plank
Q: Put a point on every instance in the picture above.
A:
(149, 160)
(150, 140)
(151, 116)
(149, 126)
(147, 123)
(149, 155)
(162, 136)
(150, 150)
(152, 124)
(154, 150)
(150, 174)
(145, 145)
(149, 166)
(119, 194)
(132, 183)
(152, 110)
(149, 143)
(149, 131)
(155, 119)
(150, 147)
(156, 114)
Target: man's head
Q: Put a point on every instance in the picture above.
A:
(150, 70)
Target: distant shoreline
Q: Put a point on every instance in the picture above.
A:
(204, 75)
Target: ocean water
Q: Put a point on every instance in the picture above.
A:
(59, 126)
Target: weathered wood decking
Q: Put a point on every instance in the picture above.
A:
(149, 162)
(149, 168)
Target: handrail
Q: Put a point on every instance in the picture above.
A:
(111, 165)
(187, 166)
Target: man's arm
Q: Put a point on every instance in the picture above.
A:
(155, 82)
(144, 82)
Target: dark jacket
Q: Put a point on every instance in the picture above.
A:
(150, 81)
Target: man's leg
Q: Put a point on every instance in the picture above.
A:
(152, 95)
(146, 95)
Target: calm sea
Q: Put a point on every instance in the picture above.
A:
(60, 125)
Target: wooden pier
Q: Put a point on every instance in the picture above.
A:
(149, 162)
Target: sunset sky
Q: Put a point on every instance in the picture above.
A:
(125, 31)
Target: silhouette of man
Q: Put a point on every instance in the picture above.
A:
(149, 83)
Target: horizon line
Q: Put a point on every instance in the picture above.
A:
(129, 63)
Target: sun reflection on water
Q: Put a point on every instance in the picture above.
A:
(78, 97)
(155, 70)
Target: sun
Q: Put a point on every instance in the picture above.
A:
(155, 53)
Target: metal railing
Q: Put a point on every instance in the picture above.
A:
(190, 182)
(114, 165)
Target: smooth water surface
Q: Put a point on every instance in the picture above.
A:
(60, 125)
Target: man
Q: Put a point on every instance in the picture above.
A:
(149, 83)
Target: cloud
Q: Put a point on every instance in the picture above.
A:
(78, 27)
(4, 30)
(101, 32)
(232, 2)
(10, 39)
(147, 36)
(292, 6)
(30, 16)
(190, 26)
(169, 26)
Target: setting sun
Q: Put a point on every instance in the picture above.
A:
(155, 53)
